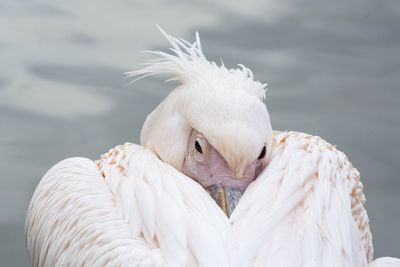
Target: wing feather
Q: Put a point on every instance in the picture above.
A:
(177, 214)
(72, 221)
(127, 209)
(300, 209)
(385, 262)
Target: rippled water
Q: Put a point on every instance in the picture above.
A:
(333, 69)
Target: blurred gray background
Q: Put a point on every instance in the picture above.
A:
(333, 69)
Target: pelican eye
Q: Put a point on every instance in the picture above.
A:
(263, 152)
(198, 148)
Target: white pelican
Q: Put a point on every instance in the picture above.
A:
(211, 185)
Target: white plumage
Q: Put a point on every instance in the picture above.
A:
(134, 206)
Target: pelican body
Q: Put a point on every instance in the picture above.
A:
(210, 185)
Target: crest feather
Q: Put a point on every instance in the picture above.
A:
(187, 64)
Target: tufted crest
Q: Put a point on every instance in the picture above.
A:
(187, 64)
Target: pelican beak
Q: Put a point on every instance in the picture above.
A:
(226, 197)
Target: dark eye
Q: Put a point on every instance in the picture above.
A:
(198, 148)
(263, 152)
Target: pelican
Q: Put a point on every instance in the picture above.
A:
(210, 185)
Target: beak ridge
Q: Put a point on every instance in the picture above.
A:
(227, 198)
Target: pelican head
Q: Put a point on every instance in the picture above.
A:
(214, 127)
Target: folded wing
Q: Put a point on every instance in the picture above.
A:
(305, 209)
(127, 209)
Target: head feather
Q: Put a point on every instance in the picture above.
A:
(187, 64)
(225, 105)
